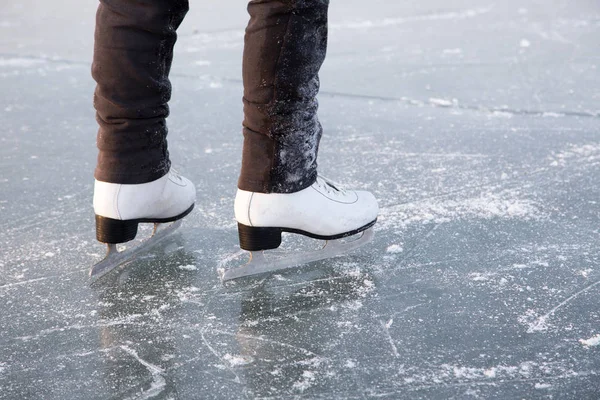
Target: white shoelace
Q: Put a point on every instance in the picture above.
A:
(329, 186)
(175, 173)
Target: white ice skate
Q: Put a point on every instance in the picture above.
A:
(321, 211)
(120, 208)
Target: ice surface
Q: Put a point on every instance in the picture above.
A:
(475, 124)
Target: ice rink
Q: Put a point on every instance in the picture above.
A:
(475, 123)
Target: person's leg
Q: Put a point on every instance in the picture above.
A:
(285, 46)
(132, 57)
(278, 189)
(133, 51)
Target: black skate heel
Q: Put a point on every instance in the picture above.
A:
(115, 231)
(256, 238)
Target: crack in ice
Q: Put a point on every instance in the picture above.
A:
(158, 381)
(540, 323)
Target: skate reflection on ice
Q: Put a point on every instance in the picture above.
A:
(289, 335)
(137, 331)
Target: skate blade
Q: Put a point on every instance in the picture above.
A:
(115, 258)
(259, 264)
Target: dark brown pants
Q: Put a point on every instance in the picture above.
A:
(285, 45)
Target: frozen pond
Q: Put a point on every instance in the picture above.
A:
(477, 126)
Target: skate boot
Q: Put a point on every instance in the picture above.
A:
(321, 211)
(121, 208)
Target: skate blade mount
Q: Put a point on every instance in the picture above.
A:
(259, 264)
(115, 258)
